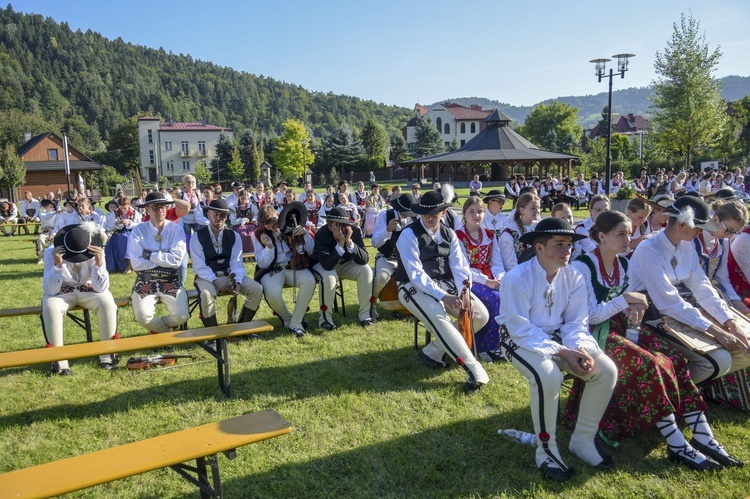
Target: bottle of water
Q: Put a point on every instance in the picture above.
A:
(521, 437)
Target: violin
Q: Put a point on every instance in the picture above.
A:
(141, 363)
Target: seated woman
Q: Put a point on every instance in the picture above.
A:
(244, 220)
(597, 204)
(523, 220)
(349, 207)
(653, 384)
(115, 252)
(487, 269)
(360, 199)
(313, 204)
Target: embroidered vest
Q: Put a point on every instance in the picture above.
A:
(479, 255)
(434, 257)
(217, 258)
(738, 278)
(389, 248)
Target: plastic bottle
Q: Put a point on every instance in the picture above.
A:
(521, 437)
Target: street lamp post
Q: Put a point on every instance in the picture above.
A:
(304, 157)
(622, 66)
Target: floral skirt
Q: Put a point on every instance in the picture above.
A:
(732, 390)
(488, 338)
(653, 381)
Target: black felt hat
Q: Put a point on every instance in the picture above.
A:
(551, 226)
(495, 194)
(219, 205)
(46, 202)
(337, 214)
(403, 204)
(156, 198)
(294, 214)
(76, 239)
(236, 185)
(111, 202)
(430, 203)
(726, 194)
(72, 202)
(693, 212)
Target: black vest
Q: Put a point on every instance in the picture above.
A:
(389, 248)
(434, 257)
(218, 261)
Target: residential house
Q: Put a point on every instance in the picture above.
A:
(625, 124)
(453, 120)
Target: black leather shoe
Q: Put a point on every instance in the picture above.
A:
(430, 362)
(305, 325)
(60, 372)
(715, 454)
(107, 366)
(688, 456)
(328, 326)
(607, 462)
(554, 473)
(367, 323)
(472, 386)
(298, 332)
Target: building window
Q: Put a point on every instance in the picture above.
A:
(447, 145)
(150, 136)
(168, 145)
(439, 124)
(52, 153)
(170, 165)
(463, 142)
(202, 147)
(184, 147)
(473, 128)
(151, 157)
(463, 127)
(447, 128)
(186, 165)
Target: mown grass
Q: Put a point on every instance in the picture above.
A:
(370, 420)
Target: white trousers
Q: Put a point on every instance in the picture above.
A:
(352, 271)
(41, 243)
(55, 307)
(144, 310)
(545, 378)
(384, 269)
(207, 292)
(706, 367)
(437, 319)
(273, 287)
(9, 226)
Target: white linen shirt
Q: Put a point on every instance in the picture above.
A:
(380, 234)
(202, 270)
(264, 255)
(533, 309)
(168, 252)
(88, 273)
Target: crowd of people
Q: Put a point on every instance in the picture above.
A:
(645, 309)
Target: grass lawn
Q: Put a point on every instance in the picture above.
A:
(370, 420)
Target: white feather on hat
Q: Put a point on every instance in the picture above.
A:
(687, 216)
(89, 227)
(448, 193)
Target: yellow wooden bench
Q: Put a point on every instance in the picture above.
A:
(174, 450)
(397, 306)
(144, 342)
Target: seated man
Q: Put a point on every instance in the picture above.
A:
(282, 261)
(156, 249)
(544, 318)
(8, 218)
(494, 219)
(30, 211)
(47, 218)
(341, 254)
(75, 275)
(388, 228)
(432, 272)
(216, 252)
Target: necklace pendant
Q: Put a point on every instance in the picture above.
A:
(76, 268)
(673, 262)
(217, 244)
(158, 238)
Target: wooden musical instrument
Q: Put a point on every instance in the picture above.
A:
(390, 290)
(464, 317)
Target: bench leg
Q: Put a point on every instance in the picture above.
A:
(84, 323)
(201, 478)
(222, 364)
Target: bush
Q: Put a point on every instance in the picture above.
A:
(625, 192)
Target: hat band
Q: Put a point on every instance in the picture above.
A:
(432, 205)
(67, 248)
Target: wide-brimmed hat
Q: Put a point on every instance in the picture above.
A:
(219, 205)
(551, 226)
(236, 185)
(72, 202)
(660, 201)
(337, 214)
(156, 198)
(111, 202)
(494, 194)
(403, 204)
(46, 202)
(693, 212)
(725, 194)
(281, 183)
(294, 214)
(432, 202)
(76, 239)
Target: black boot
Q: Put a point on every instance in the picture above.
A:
(247, 315)
(210, 322)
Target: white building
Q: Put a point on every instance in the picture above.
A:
(172, 149)
(453, 121)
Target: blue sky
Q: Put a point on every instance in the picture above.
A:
(407, 51)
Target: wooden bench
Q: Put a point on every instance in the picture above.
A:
(144, 342)
(396, 306)
(84, 322)
(174, 450)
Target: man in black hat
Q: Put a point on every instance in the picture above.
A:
(341, 254)
(388, 227)
(234, 196)
(68, 215)
(495, 220)
(47, 224)
(216, 253)
(75, 275)
(544, 331)
(432, 272)
(156, 249)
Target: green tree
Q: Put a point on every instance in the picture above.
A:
(399, 152)
(342, 150)
(14, 124)
(122, 150)
(250, 146)
(429, 141)
(687, 111)
(374, 139)
(551, 126)
(293, 153)
(14, 172)
(224, 150)
(236, 167)
(202, 174)
(107, 177)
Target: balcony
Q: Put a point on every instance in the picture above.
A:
(186, 154)
(202, 154)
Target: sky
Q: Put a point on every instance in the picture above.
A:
(400, 52)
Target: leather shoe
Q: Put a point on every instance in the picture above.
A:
(107, 366)
(60, 372)
(298, 332)
(713, 453)
(327, 326)
(367, 323)
(472, 386)
(687, 456)
(554, 473)
(430, 362)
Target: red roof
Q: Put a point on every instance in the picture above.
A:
(419, 108)
(460, 112)
(195, 126)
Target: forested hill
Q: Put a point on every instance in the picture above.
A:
(63, 75)
(629, 100)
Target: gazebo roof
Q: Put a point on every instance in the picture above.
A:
(496, 143)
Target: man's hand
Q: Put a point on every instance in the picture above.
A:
(393, 225)
(98, 253)
(299, 231)
(266, 241)
(347, 231)
(452, 302)
(223, 284)
(492, 284)
(57, 254)
(338, 235)
(580, 361)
